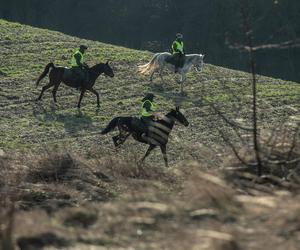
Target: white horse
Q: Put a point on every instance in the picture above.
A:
(160, 61)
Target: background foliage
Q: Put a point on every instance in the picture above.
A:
(208, 26)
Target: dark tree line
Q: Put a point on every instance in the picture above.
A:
(209, 26)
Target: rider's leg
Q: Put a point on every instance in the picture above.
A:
(144, 126)
(176, 62)
(77, 74)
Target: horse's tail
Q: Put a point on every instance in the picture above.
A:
(113, 123)
(148, 67)
(46, 70)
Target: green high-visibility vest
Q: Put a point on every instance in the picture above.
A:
(73, 59)
(179, 46)
(152, 108)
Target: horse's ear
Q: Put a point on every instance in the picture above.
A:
(177, 108)
(107, 62)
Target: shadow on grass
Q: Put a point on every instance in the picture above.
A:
(73, 121)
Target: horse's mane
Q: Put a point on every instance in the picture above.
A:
(167, 116)
(96, 66)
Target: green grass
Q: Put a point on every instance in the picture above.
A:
(25, 123)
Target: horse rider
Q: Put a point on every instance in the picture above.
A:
(178, 52)
(148, 112)
(78, 65)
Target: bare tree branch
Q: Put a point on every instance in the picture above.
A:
(231, 123)
(227, 141)
(294, 143)
(285, 162)
(249, 41)
(283, 45)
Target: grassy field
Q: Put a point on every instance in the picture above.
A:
(29, 125)
(73, 190)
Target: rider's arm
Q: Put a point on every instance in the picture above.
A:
(174, 46)
(78, 58)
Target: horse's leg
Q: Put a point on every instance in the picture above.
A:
(152, 74)
(54, 91)
(183, 78)
(120, 139)
(151, 147)
(116, 140)
(160, 74)
(124, 138)
(49, 85)
(181, 86)
(96, 93)
(163, 149)
(80, 98)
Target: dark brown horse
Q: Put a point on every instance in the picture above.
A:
(65, 75)
(158, 131)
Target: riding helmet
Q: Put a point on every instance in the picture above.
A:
(148, 96)
(179, 36)
(83, 47)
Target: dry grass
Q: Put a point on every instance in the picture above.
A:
(70, 202)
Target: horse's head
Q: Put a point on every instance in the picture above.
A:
(199, 62)
(178, 116)
(107, 70)
(103, 68)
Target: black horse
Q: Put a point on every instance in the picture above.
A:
(158, 131)
(65, 75)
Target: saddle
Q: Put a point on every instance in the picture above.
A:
(138, 125)
(76, 75)
(170, 59)
(176, 60)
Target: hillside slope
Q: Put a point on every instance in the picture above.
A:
(26, 124)
(66, 187)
